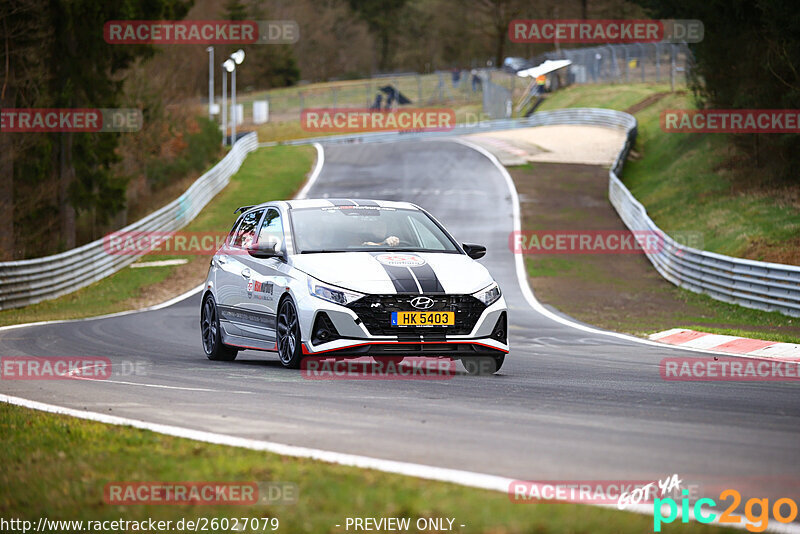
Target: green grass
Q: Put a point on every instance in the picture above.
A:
(619, 97)
(273, 173)
(685, 183)
(267, 174)
(56, 467)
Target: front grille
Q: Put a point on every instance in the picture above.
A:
(376, 313)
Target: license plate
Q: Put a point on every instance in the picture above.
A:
(423, 318)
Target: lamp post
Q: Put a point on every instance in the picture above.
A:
(210, 51)
(228, 66)
(237, 58)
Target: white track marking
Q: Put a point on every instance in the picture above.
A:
(312, 179)
(439, 474)
(169, 302)
(161, 263)
(72, 376)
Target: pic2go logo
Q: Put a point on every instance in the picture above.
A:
(757, 523)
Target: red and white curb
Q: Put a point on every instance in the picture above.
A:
(743, 346)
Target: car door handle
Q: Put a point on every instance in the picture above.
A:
(246, 272)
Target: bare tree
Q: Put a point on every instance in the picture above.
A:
(497, 15)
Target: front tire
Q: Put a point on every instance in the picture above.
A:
(212, 333)
(483, 365)
(288, 329)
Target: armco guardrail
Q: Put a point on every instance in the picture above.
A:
(30, 281)
(753, 284)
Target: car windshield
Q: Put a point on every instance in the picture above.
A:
(367, 228)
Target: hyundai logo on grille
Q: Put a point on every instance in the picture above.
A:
(422, 303)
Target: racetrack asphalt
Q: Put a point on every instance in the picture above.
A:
(567, 405)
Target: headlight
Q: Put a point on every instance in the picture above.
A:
(334, 294)
(488, 295)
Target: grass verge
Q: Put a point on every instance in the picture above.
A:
(266, 174)
(57, 467)
(611, 96)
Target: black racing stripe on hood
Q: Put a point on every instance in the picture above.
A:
(428, 280)
(406, 282)
(402, 279)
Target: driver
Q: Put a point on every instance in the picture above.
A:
(377, 230)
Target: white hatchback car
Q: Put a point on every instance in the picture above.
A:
(350, 278)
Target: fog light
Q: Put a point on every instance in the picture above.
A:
(323, 330)
(500, 328)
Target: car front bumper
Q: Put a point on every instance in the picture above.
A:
(351, 337)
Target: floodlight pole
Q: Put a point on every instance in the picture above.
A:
(233, 107)
(224, 105)
(210, 51)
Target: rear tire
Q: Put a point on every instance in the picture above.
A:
(483, 365)
(287, 328)
(212, 333)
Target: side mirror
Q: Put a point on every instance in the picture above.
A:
(267, 249)
(474, 251)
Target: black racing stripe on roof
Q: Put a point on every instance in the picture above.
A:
(370, 203)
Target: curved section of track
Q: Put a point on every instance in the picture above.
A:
(568, 404)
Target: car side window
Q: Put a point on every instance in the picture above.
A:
(272, 228)
(426, 237)
(245, 234)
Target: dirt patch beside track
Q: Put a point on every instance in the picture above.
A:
(561, 144)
